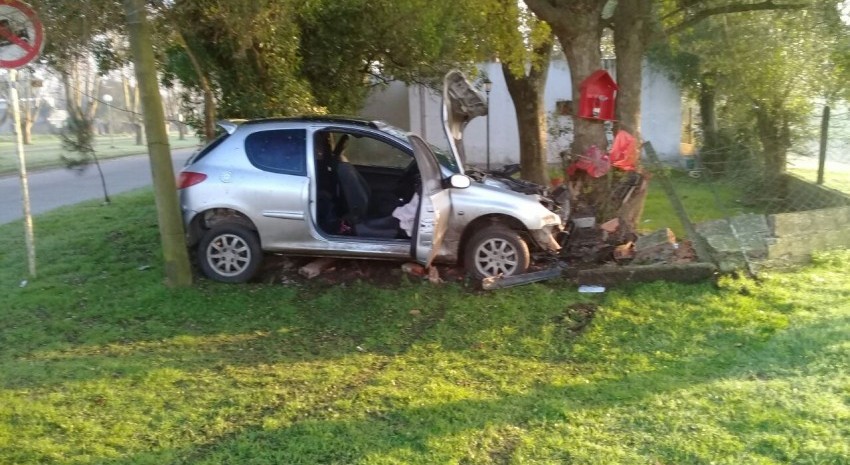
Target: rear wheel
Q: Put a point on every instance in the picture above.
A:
(496, 251)
(229, 253)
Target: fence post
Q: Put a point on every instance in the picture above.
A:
(824, 129)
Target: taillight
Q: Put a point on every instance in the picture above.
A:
(189, 178)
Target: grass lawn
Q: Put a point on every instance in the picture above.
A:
(101, 364)
(46, 150)
(703, 199)
(838, 180)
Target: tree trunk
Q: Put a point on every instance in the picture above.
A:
(26, 124)
(584, 57)
(140, 128)
(74, 100)
(26, 127)
(773, 135)
(708, 115)
(632, 27)
(578, 28)
(177, 269)
(527, 94)
(712, 155)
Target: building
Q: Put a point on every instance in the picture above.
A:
(418, 109)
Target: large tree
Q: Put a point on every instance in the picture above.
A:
(176, 256)
(524, 46)
(760, 96)
(285, 57)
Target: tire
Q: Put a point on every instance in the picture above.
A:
(229, 253)
(494, 251)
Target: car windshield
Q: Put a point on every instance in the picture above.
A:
(444, 157)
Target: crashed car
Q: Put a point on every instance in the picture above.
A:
(351, 188)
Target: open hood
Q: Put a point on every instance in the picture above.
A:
(461, 103)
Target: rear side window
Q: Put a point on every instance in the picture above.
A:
(281, 151)
(207, 149)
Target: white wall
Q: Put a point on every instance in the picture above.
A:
(661, 117)
(389, 104)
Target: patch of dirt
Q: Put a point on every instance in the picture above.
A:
(577, 317)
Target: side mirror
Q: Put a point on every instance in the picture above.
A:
(459, 181)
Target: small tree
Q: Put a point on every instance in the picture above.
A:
(78, 138)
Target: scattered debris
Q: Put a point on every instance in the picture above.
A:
(610, 226)
(316, 267)
(24, 283)
(144, 267)
(577, 317)
(624, 252)
(500, 282)
(591, 289)
(413, 269)
(657, 247)
(434, 275)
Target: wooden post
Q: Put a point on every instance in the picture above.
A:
(824, 130)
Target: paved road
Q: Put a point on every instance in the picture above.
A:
(51, 189)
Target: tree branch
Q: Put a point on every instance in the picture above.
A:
(544, 9)
(734, 8)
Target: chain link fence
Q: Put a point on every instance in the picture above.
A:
(816, 173)
(746, 213)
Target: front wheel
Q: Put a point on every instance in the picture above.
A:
(496, 251)
(229, 253)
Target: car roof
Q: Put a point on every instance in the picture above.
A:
(331, 119)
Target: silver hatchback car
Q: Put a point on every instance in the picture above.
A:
(344, 187)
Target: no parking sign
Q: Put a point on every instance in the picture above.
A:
(21, 34)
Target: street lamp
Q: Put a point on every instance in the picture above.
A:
(108, 99)
(488, 86)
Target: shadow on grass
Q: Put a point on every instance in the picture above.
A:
(413, 429)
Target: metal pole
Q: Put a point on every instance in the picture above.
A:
(22, 169)
(111, 131)
(488, 129)
(824, 130)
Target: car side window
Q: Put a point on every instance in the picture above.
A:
(281, 151)
(367, 151)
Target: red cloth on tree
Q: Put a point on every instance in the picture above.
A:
(594, 161)
(623, 153)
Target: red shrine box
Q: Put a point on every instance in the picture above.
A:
(598, 94)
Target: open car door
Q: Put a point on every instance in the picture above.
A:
(434, 205)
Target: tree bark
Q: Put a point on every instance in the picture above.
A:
(177, 269)
(578, 27)
(632, 33)
(527, 94)
(632, 27)
(712, 156)
(774, 135)
(29, 113)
